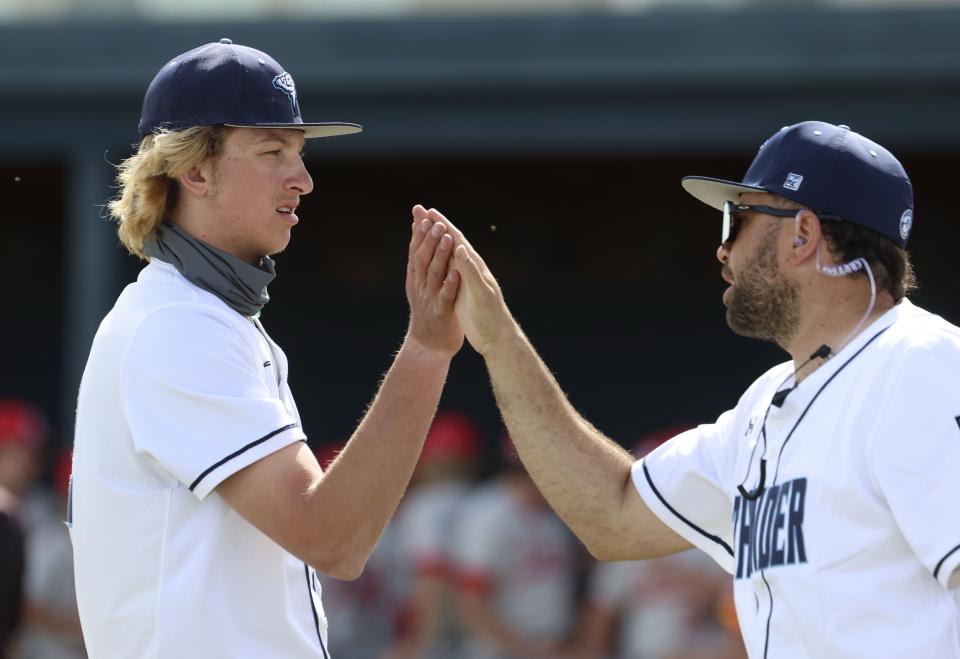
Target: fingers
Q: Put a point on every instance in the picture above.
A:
(448, 291)
(437, 270)
(436, 216)
(430, 226)
(418, 212)
(421, 230)
(425, 257)
(419, 233)
(460, 239)
(467, 266)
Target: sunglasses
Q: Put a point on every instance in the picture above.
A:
(731, 222)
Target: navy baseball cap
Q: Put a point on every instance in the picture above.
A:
(827, 168)
(228, 84)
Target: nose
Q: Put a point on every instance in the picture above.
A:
(723, 253)
(300, 181)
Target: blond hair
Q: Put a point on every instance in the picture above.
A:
(147, 180)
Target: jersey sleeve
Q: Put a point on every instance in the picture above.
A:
(916, 455)
(196, 401)
(683, 483)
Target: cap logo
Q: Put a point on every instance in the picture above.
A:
(793, 181)
(906, 223)
(284, 82)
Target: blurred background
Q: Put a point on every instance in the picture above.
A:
(554, 132)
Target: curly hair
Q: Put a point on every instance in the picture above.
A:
(147, 180)
(890, 263)
(847, 241)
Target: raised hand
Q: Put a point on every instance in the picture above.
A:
(480, 308)
(431, 287)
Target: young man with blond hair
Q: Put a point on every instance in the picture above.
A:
(199, 516)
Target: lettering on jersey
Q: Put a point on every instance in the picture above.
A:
(768, 532)
(957, 419)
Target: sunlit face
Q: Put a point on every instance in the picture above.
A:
(761, 302)
(256, 185)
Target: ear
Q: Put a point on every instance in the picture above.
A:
(198, 181)
(806, 234)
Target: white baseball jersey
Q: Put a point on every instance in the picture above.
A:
(851, 549)
(180, 392)
(523, 556)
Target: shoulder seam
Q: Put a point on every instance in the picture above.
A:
(240, 451)
(703, 532)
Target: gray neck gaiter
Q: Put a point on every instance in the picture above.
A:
(240, 285)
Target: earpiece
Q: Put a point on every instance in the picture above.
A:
(797, 239)
(843, 269)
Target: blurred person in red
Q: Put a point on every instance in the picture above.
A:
(517, 572)
(360, 612)
(427, 628)
(51, 625)
(22, 436)
(660, 608)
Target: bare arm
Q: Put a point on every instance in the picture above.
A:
(584, 475)
(333, 520)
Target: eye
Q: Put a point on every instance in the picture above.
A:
(272, 152)
(736, 222)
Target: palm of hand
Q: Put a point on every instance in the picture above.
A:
(433, 322)
(431, 288)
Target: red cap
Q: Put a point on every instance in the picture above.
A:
(22, 423)
(453, 435)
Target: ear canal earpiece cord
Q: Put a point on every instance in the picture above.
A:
(823, 352)
(849, 268)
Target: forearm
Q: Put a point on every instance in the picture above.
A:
(581, 472)
(361, 489)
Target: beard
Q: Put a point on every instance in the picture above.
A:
(764, 304)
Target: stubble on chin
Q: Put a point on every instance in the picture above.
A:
(764, 304)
